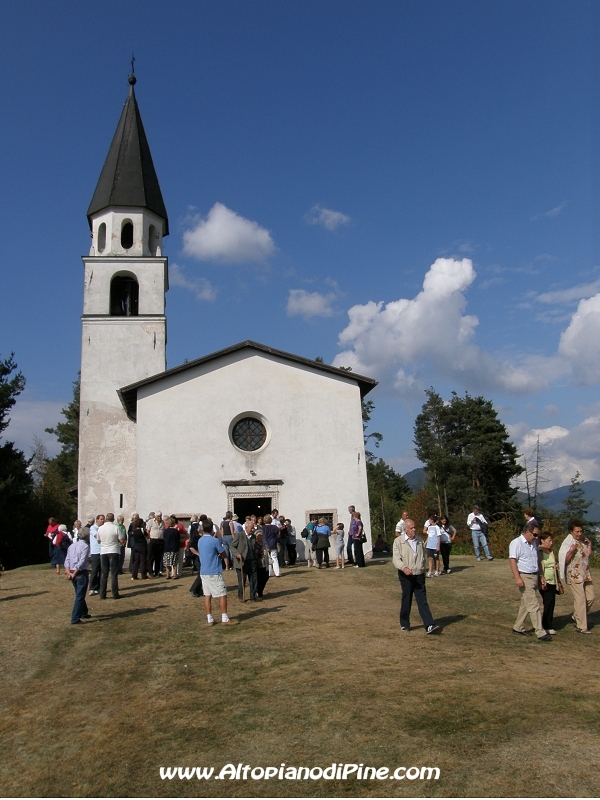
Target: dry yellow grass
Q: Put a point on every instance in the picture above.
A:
(317, 673)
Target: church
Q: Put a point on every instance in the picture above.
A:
(210, 435)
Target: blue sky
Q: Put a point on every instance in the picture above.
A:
(321, 158)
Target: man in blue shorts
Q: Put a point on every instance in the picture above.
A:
(212, 554)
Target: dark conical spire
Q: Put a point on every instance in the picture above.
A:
(128, 177)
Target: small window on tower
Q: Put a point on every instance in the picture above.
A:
(152, 240)
(124, 296)
(127, 235)
(102, 238)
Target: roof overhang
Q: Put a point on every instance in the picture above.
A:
(128, 394)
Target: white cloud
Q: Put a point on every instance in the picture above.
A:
(201, 287)
(227, 237)
(563, 452)
(580, 342)
(575, 293)
(309, 304)
(553, 212)
(431, 335)
(29, 418)
(326, 217)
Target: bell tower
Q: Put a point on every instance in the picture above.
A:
(123, 324)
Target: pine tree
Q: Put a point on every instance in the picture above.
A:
(15, 481)
(67, 433)
(467, 454)
(432, 445)
(16, 484)
(368, 407)
(575, 504)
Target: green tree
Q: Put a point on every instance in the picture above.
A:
(9, 389)
(57, 477)
(16, 484)
(575, 504)
(368, 407)
(432, 444)
(67, 433)
(467, 454)
(388, 492)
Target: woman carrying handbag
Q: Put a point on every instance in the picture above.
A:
(359, 538)
(550, 584)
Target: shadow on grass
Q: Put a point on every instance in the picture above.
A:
(563, 621)
(149, 590)
(285, 592)
(460, 569)
(131, 612)
(594, 616)
(20, 596)
(567, 621)
(443, 622)
(259, 612)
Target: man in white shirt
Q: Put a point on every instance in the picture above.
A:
(476, 521)
(523, 560)
(95, 564)
(155, 528)
(110, 540)
(401, 524)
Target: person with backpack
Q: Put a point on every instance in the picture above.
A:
(307, 535)
(195, 534)
(226, 535)
(61, 543)
(271, 538)
(479, 528)
(322, 533)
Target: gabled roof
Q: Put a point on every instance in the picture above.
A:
(128, 394)
(128, 177)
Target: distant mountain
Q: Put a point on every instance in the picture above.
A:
(416, 478)
(552, 500)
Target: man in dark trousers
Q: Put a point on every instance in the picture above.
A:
(195, 534)
(410, 559)
(76, 570)
(271, 536)
(351, 529)
(242, 550)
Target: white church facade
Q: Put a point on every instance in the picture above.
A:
(213, 434)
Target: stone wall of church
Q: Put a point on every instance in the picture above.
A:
(313, 455)
(115, 351)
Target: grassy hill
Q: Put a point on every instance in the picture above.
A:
(317, 673)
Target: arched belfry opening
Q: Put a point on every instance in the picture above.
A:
(102, 237)
(124, 296)
(152, 240)
(127, 235)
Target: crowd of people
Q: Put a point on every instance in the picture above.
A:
(538, 573)
(261, 547)
(93, 553)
